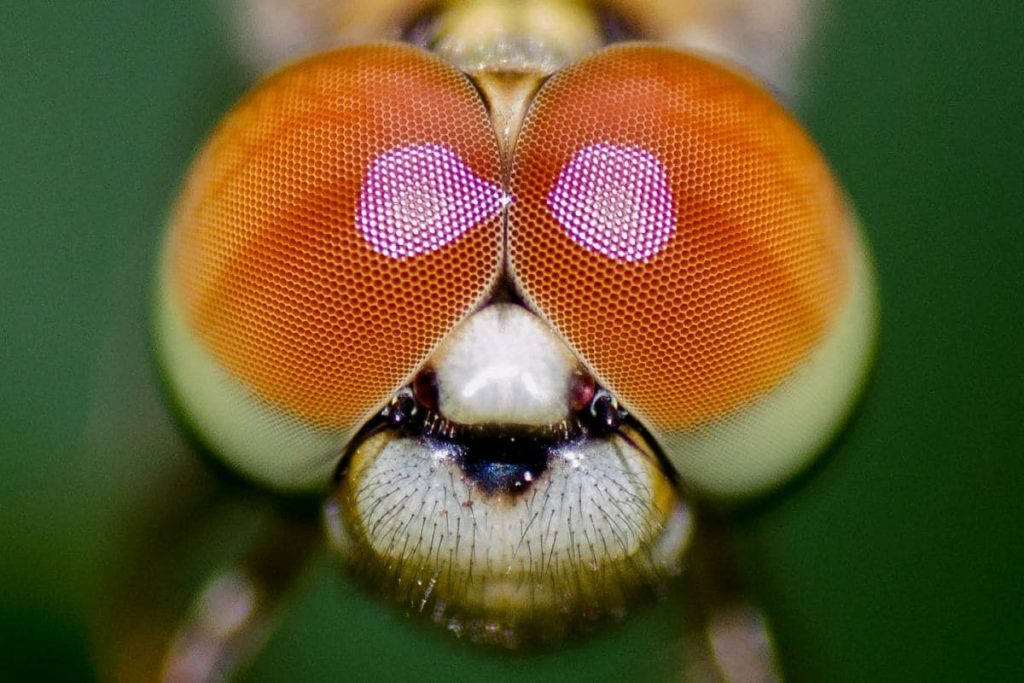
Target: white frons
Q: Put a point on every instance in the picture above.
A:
(503, 365)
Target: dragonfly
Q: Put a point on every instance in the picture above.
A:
(511, 294)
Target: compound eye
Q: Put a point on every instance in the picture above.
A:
(336, 226)
(685, 236)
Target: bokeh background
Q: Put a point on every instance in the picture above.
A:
(897, 559)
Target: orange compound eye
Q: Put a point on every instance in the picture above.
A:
(336, 226)
(685, 236)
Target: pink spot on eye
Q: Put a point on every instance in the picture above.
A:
(419, 198)
(616, 201)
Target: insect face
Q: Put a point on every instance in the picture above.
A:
(523, 348)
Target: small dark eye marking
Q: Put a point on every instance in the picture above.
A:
(581, 390)
(615, 200)
(604, 415)
(424, 388)
(401, 410)
(420, 198)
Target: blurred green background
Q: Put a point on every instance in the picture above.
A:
(898, 559)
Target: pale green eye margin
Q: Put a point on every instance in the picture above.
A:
(252, 436)
(762, 445)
